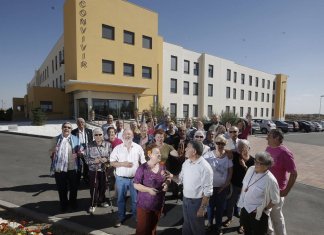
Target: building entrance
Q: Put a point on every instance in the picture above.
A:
(123, 109)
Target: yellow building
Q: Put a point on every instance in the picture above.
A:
(112, 56)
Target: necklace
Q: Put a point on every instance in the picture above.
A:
(249, 185)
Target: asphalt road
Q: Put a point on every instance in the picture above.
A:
(24, 181)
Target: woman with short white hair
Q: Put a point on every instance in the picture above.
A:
(200, 136)
(260, 192)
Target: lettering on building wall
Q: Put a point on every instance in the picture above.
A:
(83, 29)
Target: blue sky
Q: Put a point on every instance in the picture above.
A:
(277, 36)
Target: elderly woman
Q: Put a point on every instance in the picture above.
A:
(98, 154)
(260, 192)
(222, 168)
(151, 182)
(200, 137)
(66, 166)
(164, 148)
(145, 137)
(241, 162)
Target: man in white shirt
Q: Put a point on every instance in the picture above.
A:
(120, 129)
(110, 122)
(197, 179)
(126, 158)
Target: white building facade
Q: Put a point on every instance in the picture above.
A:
(199, 85)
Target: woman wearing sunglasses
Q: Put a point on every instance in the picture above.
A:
(98, 155)
(222, 168)
(66, 166)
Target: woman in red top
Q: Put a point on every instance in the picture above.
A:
(245, 127)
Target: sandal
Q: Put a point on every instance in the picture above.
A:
(241, 230)
(227, 223)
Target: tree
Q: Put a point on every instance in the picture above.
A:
(39, 117)
(229, 117)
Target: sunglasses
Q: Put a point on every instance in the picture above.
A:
(199, 136)
(98, 135)
(232, 131)
(67, 127)
(220, 143)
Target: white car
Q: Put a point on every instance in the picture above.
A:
(265, 125)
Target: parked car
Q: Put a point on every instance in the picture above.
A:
(265, 125)
(322, 123)
(306, 126)
(255, 127)
(283, 126)
(295, 125)
(318, 127)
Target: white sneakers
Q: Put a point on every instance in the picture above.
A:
(92, 209)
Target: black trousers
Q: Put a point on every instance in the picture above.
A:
(99, 187)
(65, 182)
(253, 226)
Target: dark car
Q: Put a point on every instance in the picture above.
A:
(306, 126)
(295, 125)
(255, 127)
(283, 126)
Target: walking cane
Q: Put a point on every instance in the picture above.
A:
(92, 209)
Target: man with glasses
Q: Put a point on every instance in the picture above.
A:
(284, 170)
(200, 136)
(85, 137)
(233, 140)
(66, 166)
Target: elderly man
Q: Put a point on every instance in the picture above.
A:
(284, 170)
(210, 140)
(110, 122)
(165, 124)
(233, 140)
(119, 129)
(126, 158)
(214, 123)
(85, 137)
(197, 179)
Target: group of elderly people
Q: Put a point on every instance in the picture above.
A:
(218, 175)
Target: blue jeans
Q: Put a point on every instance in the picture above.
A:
(124, 184)
(217, 200)
(192, 224)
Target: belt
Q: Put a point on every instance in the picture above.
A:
(130, 178)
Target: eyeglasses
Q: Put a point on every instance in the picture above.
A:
(258, 163)
(220, 143)
(67, 127)
(232, 131)
(98, 135)
(199, 136)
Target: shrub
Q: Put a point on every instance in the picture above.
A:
(39, 117)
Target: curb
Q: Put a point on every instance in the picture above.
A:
(25, 134)
(51, 219)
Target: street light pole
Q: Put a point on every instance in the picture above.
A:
(319, 113)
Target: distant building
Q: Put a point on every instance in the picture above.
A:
(111, 59)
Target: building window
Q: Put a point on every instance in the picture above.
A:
(108, 66)
(274, 85)
(229, 75)
(56, 83)
(210, 90)
(242, 94)
(273, 98)
(61, 82)
(209, 110)
(210, 71)
(241, 111)
(268, 97)
(234, 93)
(263, 83)
(46, 106)
(146, 72)
(174, 63)
(228, 92)
(267, 112)
(196, 68)
(173, 110)
(255, 112)
(129, 37)
(256, 96)
(261, 112)
(272, 112)
(60, 58)
(56, 63)
(186, 110)
(250, 80)
(108, 32)
(128, 70)
(52, 66)
(262, 97)
(256, 81)
(227, 109)
(186, 88)
(173, 85)
(186, 66)
(268, 84)
(195, 110)
(250, 96)
(47, 72)
(53, 84)
(234, 109)
(235, 77)
(249, 110)
(147, 42)
(242, 78)
(195, 88)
